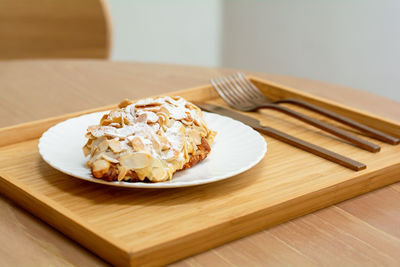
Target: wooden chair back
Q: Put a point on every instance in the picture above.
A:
(54, 29)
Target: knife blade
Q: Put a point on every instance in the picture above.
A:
(289, 139)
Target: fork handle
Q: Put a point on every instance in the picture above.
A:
(326, 127)
(356, 125)
(314, 149)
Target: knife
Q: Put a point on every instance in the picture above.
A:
(291, 140)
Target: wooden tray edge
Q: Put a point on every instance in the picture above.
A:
(121, 255)
(172, 251)
(39, 205)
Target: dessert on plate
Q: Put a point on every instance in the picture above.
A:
(148, 140)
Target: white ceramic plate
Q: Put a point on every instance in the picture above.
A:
(236, 149)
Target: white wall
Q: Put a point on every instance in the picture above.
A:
(349, 42)
(168, 31)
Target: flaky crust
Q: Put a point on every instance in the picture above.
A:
(147, 140)
(200, 154)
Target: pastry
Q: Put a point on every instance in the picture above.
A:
(148, 140)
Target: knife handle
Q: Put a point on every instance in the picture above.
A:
(364, 144)
(314, 149)
(374, 133)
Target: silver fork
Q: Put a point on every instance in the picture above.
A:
(257, 96)
(240, 95)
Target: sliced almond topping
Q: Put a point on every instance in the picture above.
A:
(86, 151)
(211, 136)
(190, 149)
(100, 167)
(164, 110)
(93, 158)
(142, 118)
(182, 131)
(156, 145)
(97, 141)
(137, 144)
(115, 145)
(136, 160)
(122, 172)
(152, 104)
(195, 136)
(126, 121)
(125, 103)
(108, 158)
(187, 122)
(103, 146)
(158, 171)
(93, 150)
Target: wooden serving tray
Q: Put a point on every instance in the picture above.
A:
(154, 227)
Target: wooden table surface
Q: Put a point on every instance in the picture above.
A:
(363, 231)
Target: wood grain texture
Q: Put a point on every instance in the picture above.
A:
(54, 29)
(302, 241)
(131, 226)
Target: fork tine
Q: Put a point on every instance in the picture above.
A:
(245, 88)
(238, 89)
(225, 90)
(222, 93)
(228, 91)
(250, 85)
(234, 90)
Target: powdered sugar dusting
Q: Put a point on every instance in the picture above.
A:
(166, 128)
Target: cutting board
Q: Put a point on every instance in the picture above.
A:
(151, 227)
